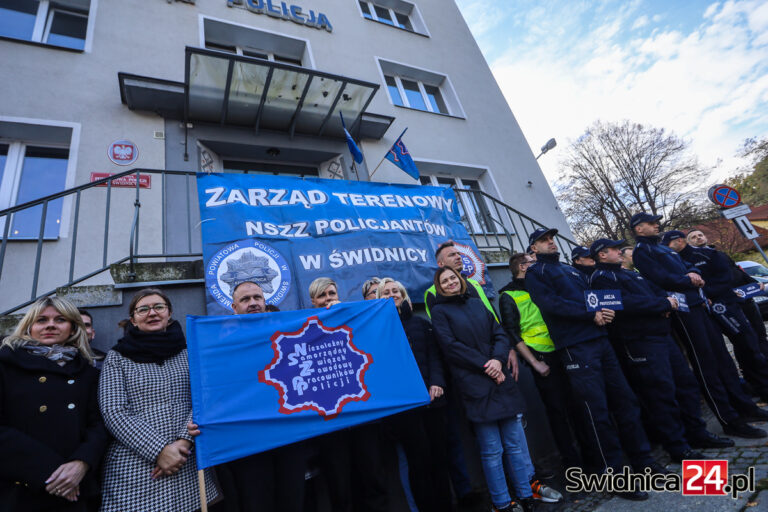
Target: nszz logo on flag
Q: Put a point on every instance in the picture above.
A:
(705, 478)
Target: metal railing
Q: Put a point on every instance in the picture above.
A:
(496, 225)
(95, 243)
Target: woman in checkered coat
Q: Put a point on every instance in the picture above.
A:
(145, 400)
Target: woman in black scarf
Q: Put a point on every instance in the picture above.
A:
(145, 399)
(52, 438)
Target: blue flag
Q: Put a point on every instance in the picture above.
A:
(357, 155)
(265, 380)
(400, 156)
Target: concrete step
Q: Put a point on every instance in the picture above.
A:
(91, 296)
(155, 272)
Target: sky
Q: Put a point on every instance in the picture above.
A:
(698, 69)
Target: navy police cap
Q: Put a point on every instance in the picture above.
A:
(540, 233)
(671, 235)
(643, 217)
(603, 243)
(580, 252)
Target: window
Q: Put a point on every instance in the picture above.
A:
(249, 42)
(57, 23)
(420, 89)
(395, 13)
(29, 172)
(414, 94)
(473, 209)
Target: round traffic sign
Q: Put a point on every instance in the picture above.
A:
(725, 196)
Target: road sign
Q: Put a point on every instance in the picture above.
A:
(746, 227)
(736, 211)
(725, 196)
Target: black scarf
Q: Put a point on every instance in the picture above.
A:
(151, 347)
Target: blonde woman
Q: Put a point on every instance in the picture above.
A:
(145, 399)
(52, 438)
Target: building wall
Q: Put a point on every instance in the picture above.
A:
(149, 38)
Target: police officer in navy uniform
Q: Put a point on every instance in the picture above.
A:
(581, 339)
(653, 362)
(582, 260)
(751, 310)
(712, 364)
(726, 308)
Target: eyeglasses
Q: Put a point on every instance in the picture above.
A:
(144, 310)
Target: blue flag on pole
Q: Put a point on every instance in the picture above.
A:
(357, 155)
(400, 156)
(265, 380)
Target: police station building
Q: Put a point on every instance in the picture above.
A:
(94, 88)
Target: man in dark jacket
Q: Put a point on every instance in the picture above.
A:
(712, 364)
(696, 238)
(580, 336)
(524, 325)
(582, 260)
(655, 366)
(726, 307)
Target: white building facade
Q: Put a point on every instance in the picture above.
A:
(103, 86)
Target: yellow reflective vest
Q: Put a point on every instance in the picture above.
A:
(480, 292)
(533, 330)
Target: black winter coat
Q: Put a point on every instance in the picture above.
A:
(469, 336)
(423, 345)
(49, 415)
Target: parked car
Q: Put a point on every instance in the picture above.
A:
(759, 273)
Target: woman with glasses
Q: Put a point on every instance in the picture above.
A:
(422, 432)
(145, 400)
(52, 438)
(476, 351)
(370, 287)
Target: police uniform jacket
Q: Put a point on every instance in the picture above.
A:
(715, 270)
(665, 268)
(584, 268)
(469, 336)
(558, 290)
(423, 345)
(49, 415)
(644, 303)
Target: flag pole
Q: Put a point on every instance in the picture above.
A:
(385, 154)
(201, 485)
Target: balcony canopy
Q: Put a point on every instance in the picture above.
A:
(230, 89)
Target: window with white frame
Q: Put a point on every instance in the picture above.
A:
(62, 23)
(473, 208)
(29, 171)
(250, 42)
(420, 89)
(395, 13)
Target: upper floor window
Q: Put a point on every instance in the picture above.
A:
(57, 23)
(474, 210)
(396, 13)
(420, 89)
(249, 42)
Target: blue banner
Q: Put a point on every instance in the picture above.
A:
(284, 232)
(748, 290)
(260, 381)
(603, 299)
(682, 302)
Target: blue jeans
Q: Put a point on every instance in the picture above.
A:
(502, 443)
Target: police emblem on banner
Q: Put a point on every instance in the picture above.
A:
(248, 260)
(317, 368)
(474, 266)
(592, 300)
(718, 308)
